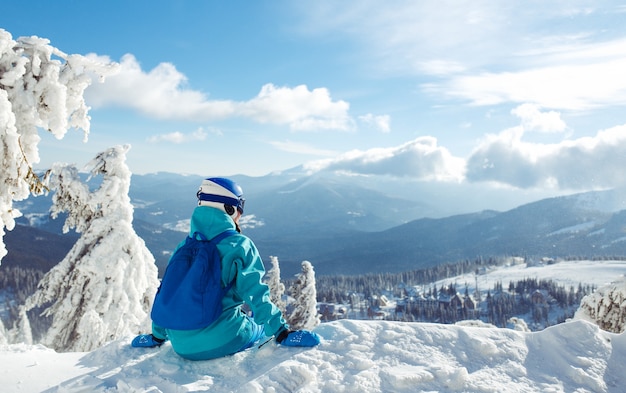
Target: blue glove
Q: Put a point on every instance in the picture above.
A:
(146, 341)
(299, 338)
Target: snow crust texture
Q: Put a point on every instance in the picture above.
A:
(355, 356)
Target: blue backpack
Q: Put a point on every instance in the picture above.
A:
(191, 292)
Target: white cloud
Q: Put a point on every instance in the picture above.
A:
(559, 55)
(576, 48)
(449, 34)
(381, 122)
(437, 38)
(419, 159)
(440, 67)
(580, 164)
(162, 93)
(568, 87)
(179, 137)
(159, 93)
(301, 108)
(533, 119)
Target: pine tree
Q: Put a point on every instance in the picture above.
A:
(304, 314)
(3, 334)
(37, 92)
(21, 333)
(277, 288)
(104, 288)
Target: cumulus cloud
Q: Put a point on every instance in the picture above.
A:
(381, 123)
(159, 93)
(301, 108)
(163, 93)
(179, 137)
(533, 119)
(420, 159)
(585, 163)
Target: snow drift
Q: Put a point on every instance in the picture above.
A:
(355, 356)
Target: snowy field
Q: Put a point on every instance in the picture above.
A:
(355, 356)
(565, 273)
(360, 356)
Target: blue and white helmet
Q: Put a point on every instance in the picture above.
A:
(221, 193)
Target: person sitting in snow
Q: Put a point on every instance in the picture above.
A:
(220, 206)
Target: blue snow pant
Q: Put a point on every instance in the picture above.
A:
(189, 343)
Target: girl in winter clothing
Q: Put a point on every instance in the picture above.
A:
(220, 207)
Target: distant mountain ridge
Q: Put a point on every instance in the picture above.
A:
(348, 225)
(555, 227)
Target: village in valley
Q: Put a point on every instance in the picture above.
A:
(530, 302)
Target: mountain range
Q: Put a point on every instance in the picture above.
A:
(354, 225)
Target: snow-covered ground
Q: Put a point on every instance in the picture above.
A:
(565, 273)
(355, 356)
(361, 356)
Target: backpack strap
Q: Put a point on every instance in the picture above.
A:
(215, 241)
(223, 235)
(200, 237)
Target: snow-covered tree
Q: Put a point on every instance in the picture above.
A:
(277, 288)
(40, 88)
(606, 307)
(3, 334)
(519, 324)
(304, 314)
(21, 332)
(104, 288)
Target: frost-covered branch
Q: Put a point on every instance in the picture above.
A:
(41, 88)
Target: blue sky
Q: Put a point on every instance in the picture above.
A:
(526, 94)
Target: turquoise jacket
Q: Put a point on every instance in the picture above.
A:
(242, 265)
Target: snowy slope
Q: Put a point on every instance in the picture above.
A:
(565, 273)
(355, 356)
(361, 356)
